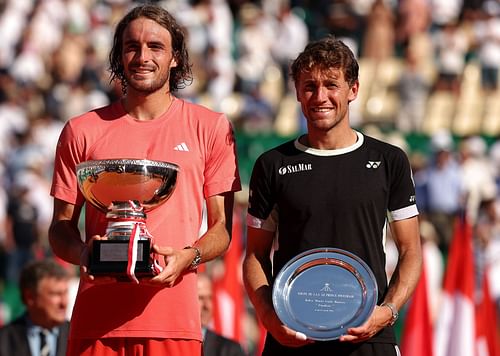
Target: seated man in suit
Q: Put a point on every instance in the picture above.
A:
(213, 344)
(43, 329)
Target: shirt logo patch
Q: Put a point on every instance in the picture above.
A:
(295, 168)
(373, 164)
(181, 147)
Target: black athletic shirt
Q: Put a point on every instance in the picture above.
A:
(333, 198)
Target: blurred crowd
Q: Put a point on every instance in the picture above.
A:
(428, 74)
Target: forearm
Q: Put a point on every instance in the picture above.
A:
(406, 235)
(66, 242)
(219, 220)
(258, 286)
(213, 243)
(405, 277)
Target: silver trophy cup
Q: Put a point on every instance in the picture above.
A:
(125, 190)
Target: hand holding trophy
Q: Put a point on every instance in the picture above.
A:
(125, 190)
(323, 292)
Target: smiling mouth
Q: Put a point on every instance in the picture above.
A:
(321, 110)
(141, 71)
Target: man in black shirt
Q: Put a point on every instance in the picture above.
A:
(332, 187)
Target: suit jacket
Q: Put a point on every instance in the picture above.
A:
(14, 339)
(218, 345)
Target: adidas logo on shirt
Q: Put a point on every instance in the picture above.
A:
(181, 147)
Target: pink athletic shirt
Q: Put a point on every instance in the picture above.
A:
(201, 143)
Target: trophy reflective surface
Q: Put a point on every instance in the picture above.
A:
(125, 190)
(323, 292)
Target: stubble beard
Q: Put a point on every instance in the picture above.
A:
(326, 125)
(148, 86)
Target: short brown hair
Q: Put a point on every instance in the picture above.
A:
(327, 53)
(34, 272)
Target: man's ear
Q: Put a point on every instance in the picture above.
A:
(173, 63)
(28, 297)
(353, 91)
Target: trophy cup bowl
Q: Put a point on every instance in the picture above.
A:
(125, 190)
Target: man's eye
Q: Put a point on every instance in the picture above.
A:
(155, 46)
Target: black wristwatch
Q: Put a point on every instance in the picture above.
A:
(197, 258)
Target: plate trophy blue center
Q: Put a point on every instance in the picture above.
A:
(324, 291)
(125, 190)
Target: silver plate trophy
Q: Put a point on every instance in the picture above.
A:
(324, 291)
(125, 190)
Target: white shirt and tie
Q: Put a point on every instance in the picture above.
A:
(42, 342)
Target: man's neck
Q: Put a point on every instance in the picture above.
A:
(330, 141)
(148, 107)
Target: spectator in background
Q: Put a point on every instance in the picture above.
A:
(478, 175)
(3, 239)
(257, 114)
(413, 89)
(451, 47)
(291, 37)
(210, 27)
(379, 36)
(221, 76)
(444, 12)
(413, 19)
(43, 329)
(487, 42)
(22, 229)
(487, 232)
(13, 114)
(253, 45)
(494, 157)
(213, 343)
(443, 188)
(342, 21)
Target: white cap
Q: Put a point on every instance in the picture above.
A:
(442, 141)
(476, 146)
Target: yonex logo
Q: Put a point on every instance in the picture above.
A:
(181, 147)
(373, 164)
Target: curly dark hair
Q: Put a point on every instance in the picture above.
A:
(181, 75)
(327, 53)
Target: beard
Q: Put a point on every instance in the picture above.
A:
(147, 85)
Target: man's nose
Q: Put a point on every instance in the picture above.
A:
(144, 54)
(321, 93)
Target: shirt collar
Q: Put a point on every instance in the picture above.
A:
(36, 329)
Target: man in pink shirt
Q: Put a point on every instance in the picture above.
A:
(160, 315)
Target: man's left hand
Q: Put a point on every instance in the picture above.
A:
(176, 263)
(379, 319)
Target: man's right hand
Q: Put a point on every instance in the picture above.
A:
(284, 335)
(85, 273)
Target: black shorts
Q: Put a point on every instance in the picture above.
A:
(272, 348)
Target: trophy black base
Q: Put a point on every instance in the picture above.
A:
(110, 257)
